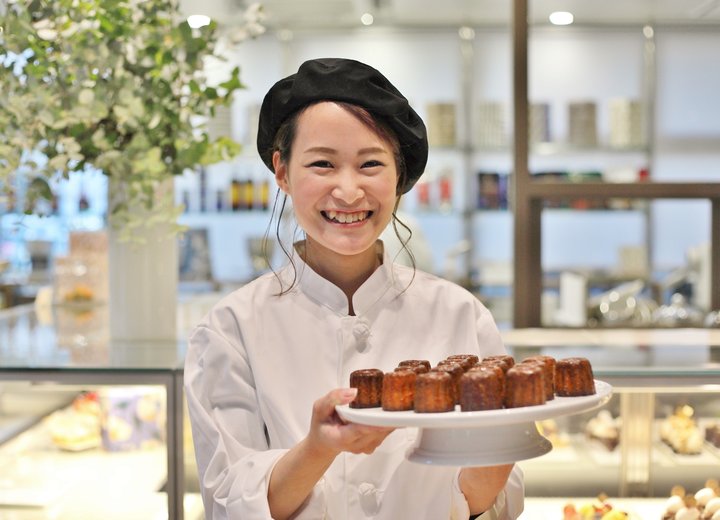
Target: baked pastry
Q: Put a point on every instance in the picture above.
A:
(497, 369)
(604, 429)
(398, 390)
(712, 434)
(689, 512)
(681, 433)
(77, 427)
(573, 377)
(705, 504)
(481, 389)
(434, 392)
(415, 362)
(704, 496)
(74, 431)
(712, 509)
(550, 361)
(465, 360)
(548, 369)
(524, 386)
(506, 362)
(598, 509)
(369, 382)
(674, 503)
(418, 369)
(455, 370)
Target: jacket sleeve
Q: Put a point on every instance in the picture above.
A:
(233, 457)
(508, 505)
(489, 338)
(232, 454)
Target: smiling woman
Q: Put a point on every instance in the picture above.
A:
(345, 146)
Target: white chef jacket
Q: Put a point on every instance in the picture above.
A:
(258, 361)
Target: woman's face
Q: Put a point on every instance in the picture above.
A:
(342, 179)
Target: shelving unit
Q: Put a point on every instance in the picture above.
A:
(529, 195)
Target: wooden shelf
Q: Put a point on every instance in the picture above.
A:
(550, 190)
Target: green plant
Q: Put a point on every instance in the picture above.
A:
(116, 85)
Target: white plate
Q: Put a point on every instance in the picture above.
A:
(556, 408)
(484, 438)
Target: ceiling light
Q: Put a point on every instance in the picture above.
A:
(198, 20)
(367, 19)
(561, 18)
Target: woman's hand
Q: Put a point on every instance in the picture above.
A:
(329, 434)
(295, 474)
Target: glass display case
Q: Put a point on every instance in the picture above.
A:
(66, 351)
(658, 430)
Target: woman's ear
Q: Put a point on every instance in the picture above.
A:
(281, 174)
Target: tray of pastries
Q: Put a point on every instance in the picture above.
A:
(475, 411)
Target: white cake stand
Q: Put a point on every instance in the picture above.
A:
(484, 438)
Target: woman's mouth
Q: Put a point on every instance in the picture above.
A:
(345, 217)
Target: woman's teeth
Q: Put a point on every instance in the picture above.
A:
(346, 218)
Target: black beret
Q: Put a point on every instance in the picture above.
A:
(336, 79)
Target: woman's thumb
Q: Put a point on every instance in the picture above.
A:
(344, 395)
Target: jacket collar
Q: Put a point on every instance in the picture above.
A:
(331, 296)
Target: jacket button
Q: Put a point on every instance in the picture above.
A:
(368, 498)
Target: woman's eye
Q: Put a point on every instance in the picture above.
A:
(320, 164)
(371, 164)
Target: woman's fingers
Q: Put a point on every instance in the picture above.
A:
(367, 438)
(331, 432)
(324, 408)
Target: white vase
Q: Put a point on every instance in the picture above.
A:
(143, 281)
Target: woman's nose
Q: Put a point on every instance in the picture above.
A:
(348, 187)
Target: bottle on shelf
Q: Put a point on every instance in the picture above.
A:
(248, 197)
(235, 195)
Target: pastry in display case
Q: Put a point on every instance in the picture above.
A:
(712, 434)
(116, 418)
(601, 508)
(604, 429)
(701, 505)
(681, 432)
(77, 427)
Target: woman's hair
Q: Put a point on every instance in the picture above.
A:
(283, 142)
